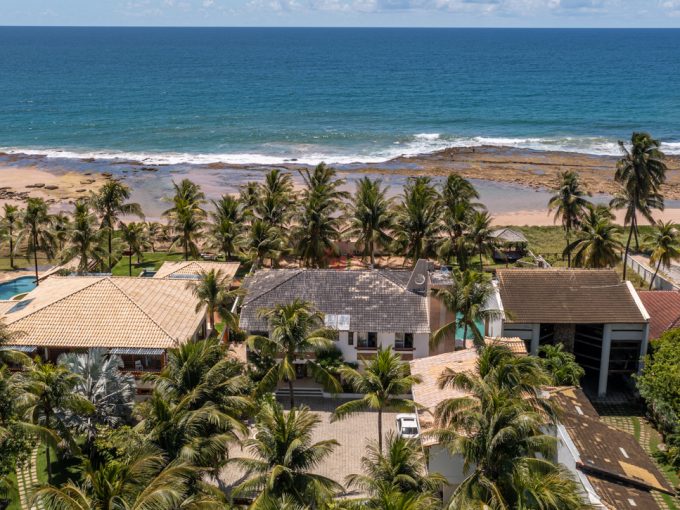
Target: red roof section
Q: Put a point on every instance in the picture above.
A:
(663, 307)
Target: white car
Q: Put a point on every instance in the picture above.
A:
(407, 426)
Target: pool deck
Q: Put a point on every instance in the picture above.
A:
(6, 276)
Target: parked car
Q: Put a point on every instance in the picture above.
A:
(407, 426)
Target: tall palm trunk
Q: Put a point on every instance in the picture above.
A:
(110, 239)
(568, 236)
(481, 261)
(130, 261)
(380, 430)
(35, 256)
(625, 255)
(292, 393)
(48, 461)
(658, 265)
(11, 248)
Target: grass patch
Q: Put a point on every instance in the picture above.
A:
(63, 470)
(150, 261)
(13, 495)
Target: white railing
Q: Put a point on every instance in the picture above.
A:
(647, 273)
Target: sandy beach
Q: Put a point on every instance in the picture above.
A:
(514, 184)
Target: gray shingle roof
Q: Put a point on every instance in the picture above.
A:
(508, 235)
(375, 300)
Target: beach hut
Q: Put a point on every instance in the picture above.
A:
(511, 245)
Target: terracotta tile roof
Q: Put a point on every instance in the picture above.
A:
(83, 311)
(375, 300)
(515, 344)
(566, 296)
(618, 496)
(195, 267)
(663, 307)
(613, 454)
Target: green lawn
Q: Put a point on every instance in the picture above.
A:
(62, 470)
(150, 261)
(13, 496)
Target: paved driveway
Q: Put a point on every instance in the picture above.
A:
(353, 433)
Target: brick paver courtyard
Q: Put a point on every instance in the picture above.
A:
(353, 433)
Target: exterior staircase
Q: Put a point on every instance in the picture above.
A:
(300, 392)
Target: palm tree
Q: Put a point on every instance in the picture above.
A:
(187, 215)
(480, 235)
(383, 382)
(664, 241)
(10, 223)
(569, 203)
(213, 293)
(283, 458)
(47, 391)
(458, 206)
(597, 244)
(154, 233)
(85, 240)
(262, 242)
(110, 202)
(134, 235)
(199, 404)
(417, 218)
(561, 365)
(498, 430)
(8, 356)
(226, 226)
(36, 232)
(141, 482)
(371, 219)
(641, 172)
(466, 298)
(295, 329)
(275, 198)
(401, 466)
(318, 223)
(100, 381)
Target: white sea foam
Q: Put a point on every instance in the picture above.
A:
(421, 143)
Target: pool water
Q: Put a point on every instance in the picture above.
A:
(17, 286)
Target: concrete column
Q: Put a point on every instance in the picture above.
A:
(604, 360)
(643, 347)
(535, 338)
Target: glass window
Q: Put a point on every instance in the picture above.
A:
(403, 340)
(350, 338)
(369, 340)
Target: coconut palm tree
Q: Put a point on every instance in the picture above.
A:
(36, 232)
(84, 240)
(10, 223)
(154, 233)
(383, 382)
(641, 172)
(295, 330)
(212, 292)
(198, 406)
(466, 298)
(458, 205)
(401, 466)
(561, 365)
(46, 392)
(417, 218)
(187, 215)
(134, 235)
(480, 235)
(283, 458)
(371, 220)
(597, 243)
(318, 223)
(664, 241)
(143, 481)
(275, 199)
(498, 430)
(262, 241)
(569, 203)
(111, 202)
(226, 226)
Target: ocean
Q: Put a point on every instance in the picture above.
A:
(272, 95)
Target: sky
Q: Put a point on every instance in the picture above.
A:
(373, 13)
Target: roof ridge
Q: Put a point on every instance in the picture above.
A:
(295, 272)
(397, 284)
(110, 279)
(95, 280)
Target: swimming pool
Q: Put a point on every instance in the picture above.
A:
(17, 286)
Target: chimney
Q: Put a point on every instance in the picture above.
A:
(419, 281)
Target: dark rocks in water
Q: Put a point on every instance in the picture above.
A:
(52, 187)
(107, 174)
(81, 190)
(36, 185)
(149, 169)
(87, 181)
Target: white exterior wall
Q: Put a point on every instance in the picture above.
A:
(421, 342)
(421, 345)
(441, 461)
(386, 340)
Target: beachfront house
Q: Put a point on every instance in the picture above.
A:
(596, 316)
(663, 307)
(136, 318)
(612, 468)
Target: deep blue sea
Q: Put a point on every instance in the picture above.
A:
(267, 95)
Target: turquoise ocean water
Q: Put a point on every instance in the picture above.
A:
(270, 95)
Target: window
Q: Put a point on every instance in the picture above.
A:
(403, 340)
(350, 338)
(367, 340)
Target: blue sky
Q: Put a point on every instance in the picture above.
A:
(473, 13)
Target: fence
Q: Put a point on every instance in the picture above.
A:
(646, 273)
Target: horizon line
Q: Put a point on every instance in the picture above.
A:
(360, 27)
